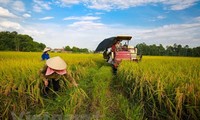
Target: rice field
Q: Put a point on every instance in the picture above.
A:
(165, 87)
(156, 88)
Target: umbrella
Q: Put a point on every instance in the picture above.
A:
(108, 42)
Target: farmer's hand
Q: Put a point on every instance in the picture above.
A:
(46, 83)
(75, 84)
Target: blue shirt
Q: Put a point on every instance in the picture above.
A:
(45, 56)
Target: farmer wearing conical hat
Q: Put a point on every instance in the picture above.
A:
(52, 72)
(45, 54)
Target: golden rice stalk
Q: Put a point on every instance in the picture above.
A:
(8, 89)
(179, 101)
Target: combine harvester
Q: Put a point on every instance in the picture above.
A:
(116, 49)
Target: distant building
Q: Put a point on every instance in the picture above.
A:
(58, 50)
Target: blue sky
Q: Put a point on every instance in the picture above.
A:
(85, 23)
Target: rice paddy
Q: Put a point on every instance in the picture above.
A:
(155, 88)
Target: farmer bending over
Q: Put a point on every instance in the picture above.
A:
(52, 72)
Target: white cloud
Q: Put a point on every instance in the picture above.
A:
(37, 8)
(197, 19)
(72, 18)
(86, 25)
(4, 1)
(88, 34)
(83, 18)
(10, 25)
(19, 6)
(40, 5)
(170, 34)
(180, 4)
(6, 13)
(123, 4)
(161, 17)
(26, 15)
(46, 18)
(102, 5)
(16, 5)
(99, 13)
(68, 2)
(33, 31)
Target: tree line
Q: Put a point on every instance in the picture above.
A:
(76, 49)
(175, 50)
(12, 41)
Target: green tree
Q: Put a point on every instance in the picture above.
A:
(161, 49)
(185, 52)
(75, 49)
(67, 48)
(12, 41)
(143, 49)
(196, 52)
(84, 50)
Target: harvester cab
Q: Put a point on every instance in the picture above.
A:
(116, 49)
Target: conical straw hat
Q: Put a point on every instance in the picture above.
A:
(46, 49)
(56, 63)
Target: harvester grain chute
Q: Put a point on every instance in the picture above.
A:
(116, 49)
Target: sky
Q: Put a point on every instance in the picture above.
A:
(85, 23)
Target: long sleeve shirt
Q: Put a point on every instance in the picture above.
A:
(45, 56)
